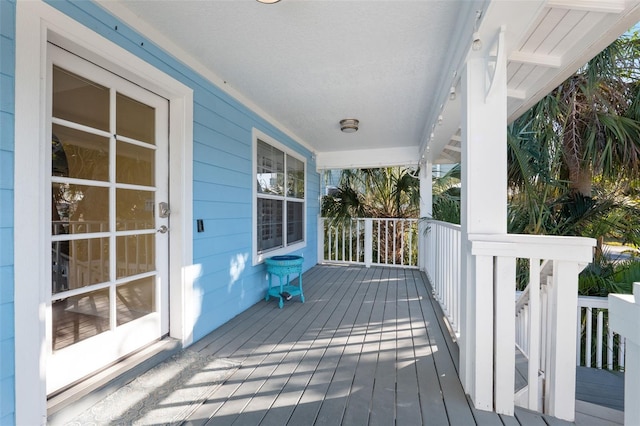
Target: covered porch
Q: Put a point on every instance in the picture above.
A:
(368, 346)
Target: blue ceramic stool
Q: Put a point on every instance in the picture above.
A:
(282, 267)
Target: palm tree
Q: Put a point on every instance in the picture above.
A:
(390, 192)
(590, 124)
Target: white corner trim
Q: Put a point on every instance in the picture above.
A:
(36, 24)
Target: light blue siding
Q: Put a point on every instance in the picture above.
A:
(222, 173)
(7, 329)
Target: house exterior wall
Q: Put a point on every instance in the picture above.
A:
(226, 283)
(7, 73)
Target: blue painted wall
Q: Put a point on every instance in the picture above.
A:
(7, 73)
(222, 173)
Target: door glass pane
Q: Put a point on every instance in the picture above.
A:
(295, 222)
(78, 209)
(80, 317)
(270, 169)
(78, 154)
(295, 177)
(135, 164)
(79, 263)
(134, 209)
(136, 254)
(135, 299)
(135, 120)
(79, 100)
(269, 224)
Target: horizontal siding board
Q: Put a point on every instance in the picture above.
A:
(7, 18)
(6, 284)
(6, 247)
(7, 92)
(7, 401)
(220, 210)
(7, 53)
(6, 319)
(215, 192)
(211, 173)
(221, 159)
(6, 170)
(7, 131)
(7, 360)
(6, 208)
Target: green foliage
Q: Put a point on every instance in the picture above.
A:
(391, 192)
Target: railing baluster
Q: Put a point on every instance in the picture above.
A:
(599, 340)
(589, 329)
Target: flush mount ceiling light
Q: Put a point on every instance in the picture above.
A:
(349, 125)
(268, 1)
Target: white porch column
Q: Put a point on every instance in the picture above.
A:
(426, 210)
(484, 210)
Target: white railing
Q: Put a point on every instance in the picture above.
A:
(370, 241)
(442, 265)
(597, 341)
(553, 265)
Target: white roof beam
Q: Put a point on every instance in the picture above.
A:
(609, 6)
(517, 94)
(538, 59)
(370, 158)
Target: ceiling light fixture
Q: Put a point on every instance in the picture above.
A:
(268, 1)
(476, 43)
(349, 125)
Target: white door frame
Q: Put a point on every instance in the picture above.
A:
(36, 24)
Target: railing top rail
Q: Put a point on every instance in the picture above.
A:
(593, 302)
(574, 249)
(445, 224)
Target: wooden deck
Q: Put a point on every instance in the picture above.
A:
(367, 347)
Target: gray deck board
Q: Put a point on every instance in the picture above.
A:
(368, 347)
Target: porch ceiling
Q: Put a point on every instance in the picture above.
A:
(305, 65)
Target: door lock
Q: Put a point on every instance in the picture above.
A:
(164, 210)
(163, 229)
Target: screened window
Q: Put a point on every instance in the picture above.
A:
(280, 187)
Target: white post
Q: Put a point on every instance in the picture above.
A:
(320, 239)
(624, 318)
(561, 377)
(368, 242)
(426, 211)
(505, 334)
(484, 211)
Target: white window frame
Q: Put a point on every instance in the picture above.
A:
(286, 248)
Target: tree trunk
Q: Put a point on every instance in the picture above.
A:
(581, 181)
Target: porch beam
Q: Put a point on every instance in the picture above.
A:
(536, 59)
(609, 6)
(355, 159)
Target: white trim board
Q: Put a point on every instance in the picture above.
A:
(36, 24)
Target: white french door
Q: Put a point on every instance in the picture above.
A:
(108, 185)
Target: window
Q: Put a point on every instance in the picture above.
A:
(279, 195)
